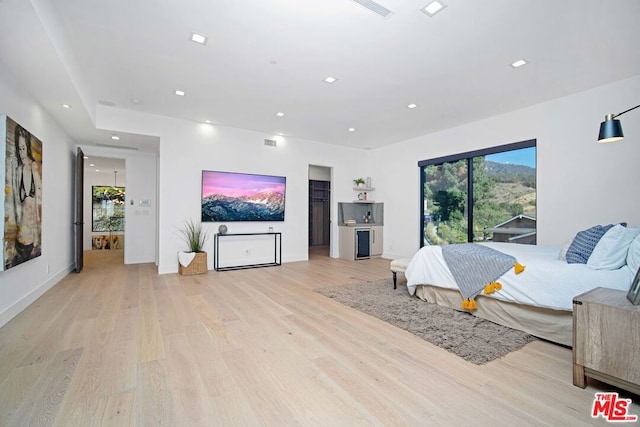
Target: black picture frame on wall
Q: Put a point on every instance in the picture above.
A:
(634, 290)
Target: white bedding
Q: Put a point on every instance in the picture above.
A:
(546, 282)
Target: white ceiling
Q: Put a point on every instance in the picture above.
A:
(113, 170)
(266, 56)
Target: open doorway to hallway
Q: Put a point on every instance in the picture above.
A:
(104, 203)
(319, 211)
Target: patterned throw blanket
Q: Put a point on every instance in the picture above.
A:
(474, 266)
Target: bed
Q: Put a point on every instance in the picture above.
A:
(538, 301)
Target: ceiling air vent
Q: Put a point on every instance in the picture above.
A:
(270, 142)
(374, 7)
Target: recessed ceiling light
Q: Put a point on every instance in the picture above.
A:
(519, 63)
(85, 157)
(115, 137)
(280, 114)
(179, 93)
(97, 170)
(195, 37)
(136, 101)
(330, 80)
(433, 7)
(66, 106)
(207, 121)
(91, 164)
(412, 105)
(352, 129)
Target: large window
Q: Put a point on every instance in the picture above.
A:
(485, 195)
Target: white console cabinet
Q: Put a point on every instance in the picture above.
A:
(376, 240)
(360, 230)
(360, 241)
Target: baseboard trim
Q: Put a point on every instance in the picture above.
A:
(174, 269)
(32, 296)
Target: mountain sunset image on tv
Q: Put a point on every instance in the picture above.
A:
(230, 196)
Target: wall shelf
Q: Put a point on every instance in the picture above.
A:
(364, 190)
(357, 210)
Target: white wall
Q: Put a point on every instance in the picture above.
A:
(23, 284)
(580, 183)
(141, 229)
(187, 148)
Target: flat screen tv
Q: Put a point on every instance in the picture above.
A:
(230, 196)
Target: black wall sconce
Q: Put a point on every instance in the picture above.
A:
(611, 129)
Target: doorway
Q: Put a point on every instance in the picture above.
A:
(104, 206)
(319, 210)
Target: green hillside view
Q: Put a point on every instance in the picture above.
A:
(501, 191)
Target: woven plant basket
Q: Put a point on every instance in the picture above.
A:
(197, 266)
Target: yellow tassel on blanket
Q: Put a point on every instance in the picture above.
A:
(469, 304)
(492, 287)
(518, 268)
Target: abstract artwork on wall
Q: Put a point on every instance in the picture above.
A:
(107, 205)
(21, 208)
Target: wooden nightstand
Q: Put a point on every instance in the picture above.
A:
(606, 339)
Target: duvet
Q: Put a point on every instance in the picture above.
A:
(546, 282)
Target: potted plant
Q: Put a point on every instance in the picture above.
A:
(359, 182)
(195, 236)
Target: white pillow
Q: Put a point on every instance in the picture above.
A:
(562, 256)
(633, 257)
(611, 251)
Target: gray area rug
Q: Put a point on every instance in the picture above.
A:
(475, 340)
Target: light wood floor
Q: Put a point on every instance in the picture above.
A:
(120, 345)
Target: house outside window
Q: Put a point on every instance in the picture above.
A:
(480, 196)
